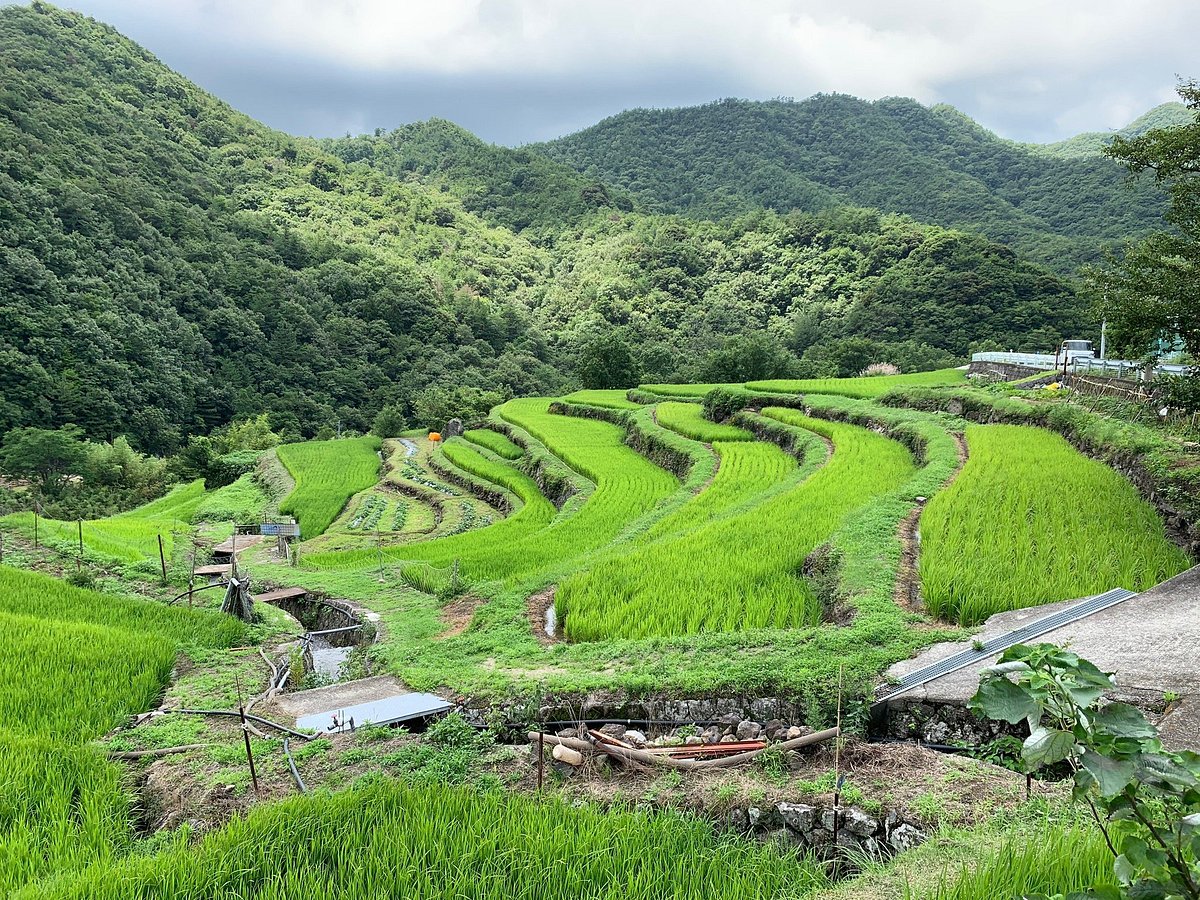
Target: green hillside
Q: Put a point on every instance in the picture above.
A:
(1092, 143)
(518, 189)
(170, 264)
(167, 263)
(934, 164)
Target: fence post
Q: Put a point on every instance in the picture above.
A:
(162, 558)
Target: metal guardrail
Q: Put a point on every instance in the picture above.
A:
(1080, 365)
(1073, 613)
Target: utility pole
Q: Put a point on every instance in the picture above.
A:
(1104, 339)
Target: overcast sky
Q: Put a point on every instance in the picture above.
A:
(515, 71)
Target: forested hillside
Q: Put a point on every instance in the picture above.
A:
(934, 164)
(1092, 143)
(168, 264)
(519, 189)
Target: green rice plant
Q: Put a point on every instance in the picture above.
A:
(861, 387)
(535, 539)
(1054, 860)
(1031, 520)
(741, 571)
(383, 838)
(688, 419)
(683, 390)
(609, 399)
(75, 664)
(127, 537)
(64, 807)
(327, 474)
(494, 441)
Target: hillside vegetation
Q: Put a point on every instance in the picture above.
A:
(934, 164)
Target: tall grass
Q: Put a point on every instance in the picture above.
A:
(1053, 861)
(1031, 520)
(861, 387)
(384, 840)
(328, 474)
(494, 441)
(74, 664)
(688, 419)
(741, 571)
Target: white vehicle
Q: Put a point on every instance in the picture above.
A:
(1074, 350)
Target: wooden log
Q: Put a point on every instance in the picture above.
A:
(161, 751)
(641, 756)
(567, 755)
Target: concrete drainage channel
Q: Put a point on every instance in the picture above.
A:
(333, 629)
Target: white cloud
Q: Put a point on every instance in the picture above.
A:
(1060, 52)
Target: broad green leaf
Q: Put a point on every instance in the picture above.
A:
(1123, 720)
(999, 698)
(1046, 746)
(1111, 774)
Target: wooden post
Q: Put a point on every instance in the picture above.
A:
(79, 558)
(837, 761)
(192, 576)
(246, 736)
(541, 754)
(1, 547)
(35, 525)
(162, 558)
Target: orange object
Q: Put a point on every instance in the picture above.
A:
(435, 436)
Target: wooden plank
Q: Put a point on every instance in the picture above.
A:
(281, 594)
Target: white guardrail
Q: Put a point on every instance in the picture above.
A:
(1080, 365)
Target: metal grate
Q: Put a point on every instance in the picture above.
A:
(964, 658)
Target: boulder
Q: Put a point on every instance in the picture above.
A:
(637, 738)
(905, 837)
(799, 817)
(616, 731)
(747, 730)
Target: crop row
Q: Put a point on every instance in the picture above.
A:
(1031, 520)
(688, 419)
(327, 474)
(863, 387)
(494, 441)
(741, 571)
(383, 839)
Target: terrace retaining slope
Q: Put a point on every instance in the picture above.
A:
(1151, 642)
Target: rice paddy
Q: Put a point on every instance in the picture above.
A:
(75, 663)
(385, 839)
(688, 419)
(609, 399)
(863, 387)
(740, 572)
(1031, 520)
(328, 474)
(494, 441)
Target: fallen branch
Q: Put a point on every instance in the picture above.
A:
(642, 756)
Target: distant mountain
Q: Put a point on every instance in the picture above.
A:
(896, 155)
(519, 189)
(168, 264)
(1092, 143)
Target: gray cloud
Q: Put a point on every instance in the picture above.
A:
(515, 71)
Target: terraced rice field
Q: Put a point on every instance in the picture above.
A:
(1030, 520)
(739, 572)
(863, 387)
(133, 536)
(74, 664)
(688, 419)
(494, 441)
(609, 399)
(327, 474)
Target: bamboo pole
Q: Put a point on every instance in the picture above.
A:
(642, 756)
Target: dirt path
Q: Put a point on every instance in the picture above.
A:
(908, 582)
